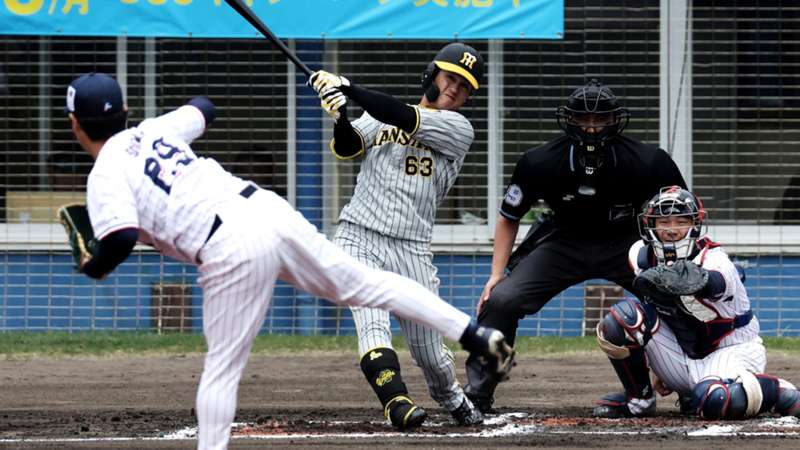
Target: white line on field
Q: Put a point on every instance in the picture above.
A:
(504, 427)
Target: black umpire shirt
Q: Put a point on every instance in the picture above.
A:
(631, 174)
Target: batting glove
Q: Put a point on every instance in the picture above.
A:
(321, 81)
(331, 101)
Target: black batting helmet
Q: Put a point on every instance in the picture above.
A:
(457, 58)
(595, 99)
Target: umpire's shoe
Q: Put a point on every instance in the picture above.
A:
(480, 386)
(467, 414)
(404, 414)
(618, 405)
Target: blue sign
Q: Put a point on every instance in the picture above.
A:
(298, 19)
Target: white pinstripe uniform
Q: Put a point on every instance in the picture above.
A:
(149, 178)
(739, 352)
(388, 224)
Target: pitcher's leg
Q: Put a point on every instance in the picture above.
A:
(236, 293)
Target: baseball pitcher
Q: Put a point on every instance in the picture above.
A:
(411, 155)
(148, 184)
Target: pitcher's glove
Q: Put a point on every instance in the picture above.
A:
(681, 278)
(75, 219)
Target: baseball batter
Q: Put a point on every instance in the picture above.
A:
(411, 157)
(148, 184)
(704, 344)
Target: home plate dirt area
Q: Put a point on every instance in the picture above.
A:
(320, 400)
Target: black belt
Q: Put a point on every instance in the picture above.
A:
(249, 190)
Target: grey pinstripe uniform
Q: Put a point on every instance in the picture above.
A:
(388, 224)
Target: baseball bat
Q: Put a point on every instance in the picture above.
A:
(247, 13)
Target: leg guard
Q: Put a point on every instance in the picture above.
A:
(622, 334)
(748, 395)
(382, 370)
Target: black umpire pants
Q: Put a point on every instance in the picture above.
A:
(562, 260)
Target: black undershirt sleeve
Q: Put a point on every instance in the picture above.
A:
(384, 107)
(110, 252)
(346, 140)
(206, 107)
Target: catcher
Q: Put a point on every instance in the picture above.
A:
(695, 328)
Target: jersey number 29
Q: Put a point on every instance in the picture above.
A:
(165, 166)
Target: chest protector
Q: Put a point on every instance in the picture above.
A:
(698, 329)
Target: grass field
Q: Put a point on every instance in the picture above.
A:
(22, 344)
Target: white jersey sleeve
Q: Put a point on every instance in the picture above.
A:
(447, 132)
(186, 123)
(633, 256)
(110, 200)
(734, 299)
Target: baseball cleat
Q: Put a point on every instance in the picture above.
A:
(618, 405)
(467, 414)
(403, 414)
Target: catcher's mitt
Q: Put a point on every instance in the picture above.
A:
(681, 278)
(75, 218)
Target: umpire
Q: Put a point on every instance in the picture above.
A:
(594, 180)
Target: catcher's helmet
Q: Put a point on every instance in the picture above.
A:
(672, 201)
(457, 58)
(596, 102)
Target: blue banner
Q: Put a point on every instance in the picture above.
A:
(298, 19)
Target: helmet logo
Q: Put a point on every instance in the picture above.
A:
(468, 59)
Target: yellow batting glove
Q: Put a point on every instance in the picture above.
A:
(331, 100)
(322, 81)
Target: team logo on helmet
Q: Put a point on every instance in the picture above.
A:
(455, 57)
(468, 59)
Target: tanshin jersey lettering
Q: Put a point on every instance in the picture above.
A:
(404, 177)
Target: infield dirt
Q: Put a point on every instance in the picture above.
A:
(320, 400)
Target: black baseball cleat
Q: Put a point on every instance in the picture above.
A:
(481, 400)
(467, 414)
(684, 402)
(618, 405)
(404, 414)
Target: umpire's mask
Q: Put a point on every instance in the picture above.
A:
(591, 118)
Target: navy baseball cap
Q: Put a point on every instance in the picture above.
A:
(94, 95)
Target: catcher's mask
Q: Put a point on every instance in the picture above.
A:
(457, 58)
(672, 201)
(591, 117)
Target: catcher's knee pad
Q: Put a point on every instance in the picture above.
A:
(628, 324)
(715, 398)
